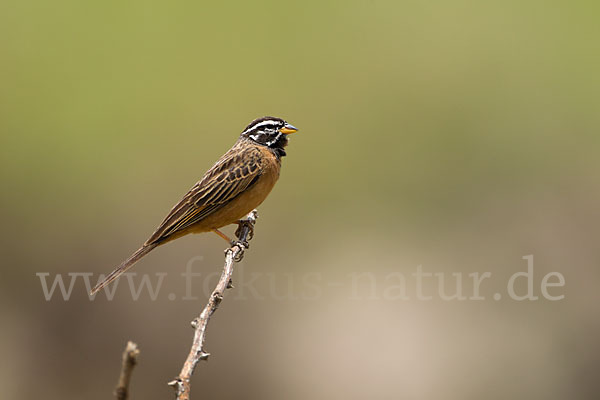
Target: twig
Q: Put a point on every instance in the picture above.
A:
(129, 360)
(235, 253)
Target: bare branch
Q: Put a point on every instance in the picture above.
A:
(235, 253)
(130, 355)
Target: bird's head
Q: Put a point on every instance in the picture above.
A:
(269, 131)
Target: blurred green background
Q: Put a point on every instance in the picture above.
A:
(456, 135)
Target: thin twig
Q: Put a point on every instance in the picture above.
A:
(130, 355)
(244, 233)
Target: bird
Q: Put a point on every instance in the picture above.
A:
(235, 185)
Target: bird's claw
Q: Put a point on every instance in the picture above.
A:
(245, 223)
(242, 244)
(239, 256)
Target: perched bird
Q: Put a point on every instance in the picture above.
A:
(238, 182)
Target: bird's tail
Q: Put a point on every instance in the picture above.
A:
(125, 265)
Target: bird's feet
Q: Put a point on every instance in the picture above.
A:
(242, 243)
(244, 223)
(242, 246)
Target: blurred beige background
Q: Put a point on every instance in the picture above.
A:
(458, 136)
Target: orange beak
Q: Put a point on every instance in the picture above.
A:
(288, 128)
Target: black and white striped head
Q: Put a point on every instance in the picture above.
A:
(269, 131)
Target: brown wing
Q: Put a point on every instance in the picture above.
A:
(231, 175)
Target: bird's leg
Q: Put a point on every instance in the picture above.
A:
(224, 236)
(244, 223)
(243, 236)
